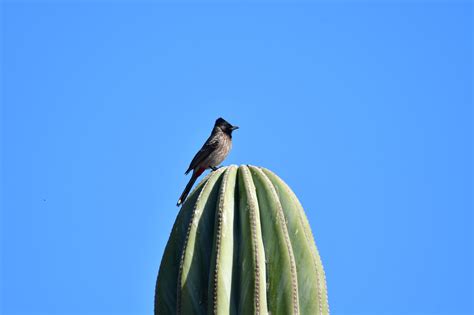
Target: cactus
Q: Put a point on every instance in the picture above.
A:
(241, 244)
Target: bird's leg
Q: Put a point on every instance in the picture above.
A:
(213, 168)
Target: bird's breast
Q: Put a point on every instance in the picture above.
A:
(221, 152)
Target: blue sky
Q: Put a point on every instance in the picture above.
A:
(365, 109)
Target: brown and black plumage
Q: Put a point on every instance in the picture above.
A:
(213, 152)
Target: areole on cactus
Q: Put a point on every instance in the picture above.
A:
(241, 244)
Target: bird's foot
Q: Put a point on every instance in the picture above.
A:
(215, 168)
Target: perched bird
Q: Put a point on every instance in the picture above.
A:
(213, 152)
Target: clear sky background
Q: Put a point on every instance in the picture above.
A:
(365, 109)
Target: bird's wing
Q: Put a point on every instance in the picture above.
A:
(208, 147)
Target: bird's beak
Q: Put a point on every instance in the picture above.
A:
(234, 128)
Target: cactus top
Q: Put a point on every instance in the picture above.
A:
(241, 244)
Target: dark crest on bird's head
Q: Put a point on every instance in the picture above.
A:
(225, 126)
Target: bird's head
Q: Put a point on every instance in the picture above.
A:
(222, 124)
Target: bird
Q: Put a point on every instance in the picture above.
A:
(213, 152)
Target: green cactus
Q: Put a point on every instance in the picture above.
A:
(241, 244)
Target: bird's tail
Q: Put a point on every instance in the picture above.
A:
(190, 184)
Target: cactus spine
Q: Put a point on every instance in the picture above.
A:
(241, 244)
